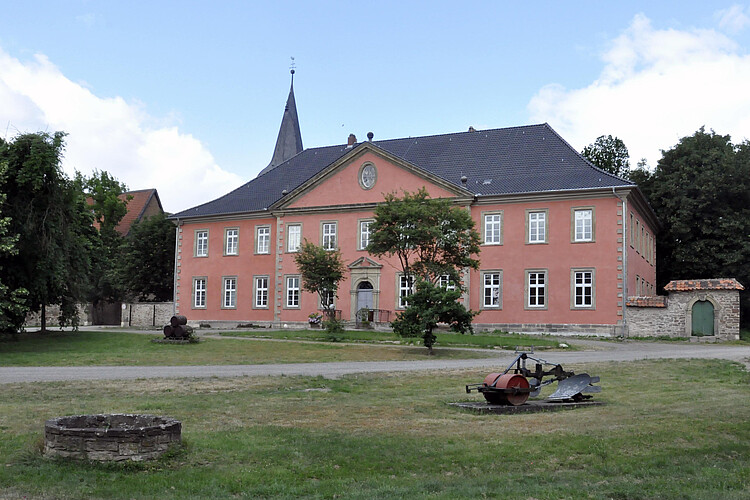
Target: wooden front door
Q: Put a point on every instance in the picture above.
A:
(703, 318)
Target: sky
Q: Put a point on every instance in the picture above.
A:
(187, 97)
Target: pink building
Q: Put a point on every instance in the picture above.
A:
(563, 243)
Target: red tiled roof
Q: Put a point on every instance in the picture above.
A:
(715, 284)
(653, 301)
(137, 205)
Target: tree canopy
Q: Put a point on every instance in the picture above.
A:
(610, 154)
(700, 190)
(432, 239)
(148, 259)
(52, 222)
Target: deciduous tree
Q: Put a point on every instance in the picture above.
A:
(431, 238)
(53, 225)
(610, 154)
(148, 259)
(321, 272)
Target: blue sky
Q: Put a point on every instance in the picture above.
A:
(187, 97)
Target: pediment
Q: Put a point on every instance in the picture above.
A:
(342, 183)
(365, 263)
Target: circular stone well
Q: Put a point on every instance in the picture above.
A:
(111, 437)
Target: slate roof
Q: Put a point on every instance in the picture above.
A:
(714, 284)
(515, 160)
(289, 140)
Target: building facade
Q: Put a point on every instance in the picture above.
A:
(563, 243)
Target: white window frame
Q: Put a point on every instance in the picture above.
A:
(492, 289)
(292, 299)
(404, 288)
(363, 232)
(333, 300)
(261, 292)
(492, 228)
(293, 237)
(578, 284)
(229, 292)
(200, 292)
(231, 241)
(329, 235)
(444, 281)
(537, 222)
(536, 292)
(263, 240)
(582, 225)
(201, 243)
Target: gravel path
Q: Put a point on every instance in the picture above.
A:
(601, 351)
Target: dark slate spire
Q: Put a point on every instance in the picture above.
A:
(289, 142)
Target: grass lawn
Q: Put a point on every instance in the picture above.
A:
(110, 348)
(498, 340)
(670, 430)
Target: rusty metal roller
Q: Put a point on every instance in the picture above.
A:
(512, 389)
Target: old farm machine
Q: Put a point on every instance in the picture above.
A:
(518, 383)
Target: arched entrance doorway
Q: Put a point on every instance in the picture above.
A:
(702, 318)
(365, 298)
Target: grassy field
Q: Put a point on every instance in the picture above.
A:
(109, 348)
(676, 430)
(500, 340)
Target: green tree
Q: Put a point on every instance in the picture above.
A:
(12, 302)
(321, 272)
(148, 259)
(432, 239)
(700, 191)
(609, 154)
(103, 193)
(53, 224)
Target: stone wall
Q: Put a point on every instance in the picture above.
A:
(671, 316)
(34, 319)
(147, 314)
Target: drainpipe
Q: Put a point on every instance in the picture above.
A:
(174, 279)
(624, 261)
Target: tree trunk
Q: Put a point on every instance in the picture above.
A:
(43, 318)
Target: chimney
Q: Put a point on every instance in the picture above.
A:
(351, 141)
(472, 129)
(370, 135)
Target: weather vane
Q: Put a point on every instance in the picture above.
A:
(292, 65)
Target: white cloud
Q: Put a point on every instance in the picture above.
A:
(109, 134)
(732, 19)
(656, 86)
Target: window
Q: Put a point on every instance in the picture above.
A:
(637, 236)
(492, 292)
(293, 237)
(262, 239)
(199, 292)
(329, 298)
(493, 229)
(583, 288)
(201, 243)
(364, 234)
(536, 227)
(536, 289)
(583, 224)
(405, 288)
(445, 281)
(328, 230)
(261, 292)
(292, 291)
(231, 241)
(632, 228)
(642, 240)
(230, 293)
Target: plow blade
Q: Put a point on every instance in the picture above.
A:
(571, 386)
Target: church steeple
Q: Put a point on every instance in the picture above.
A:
(289, 141)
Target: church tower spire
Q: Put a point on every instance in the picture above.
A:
(289, 141)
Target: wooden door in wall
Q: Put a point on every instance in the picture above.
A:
(702, 318)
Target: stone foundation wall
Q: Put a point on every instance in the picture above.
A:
(53, 312)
